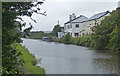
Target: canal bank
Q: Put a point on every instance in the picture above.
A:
(29, 61)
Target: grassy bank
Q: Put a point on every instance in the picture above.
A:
(29, 61)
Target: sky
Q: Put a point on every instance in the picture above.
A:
(59, 10)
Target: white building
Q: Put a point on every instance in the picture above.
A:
(74, 25)
(61, 34)
(80, 26)
(93, 21)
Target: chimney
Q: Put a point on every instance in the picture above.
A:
(73, 16)
(70, 17)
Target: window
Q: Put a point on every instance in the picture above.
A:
(68, 26)
(76, 34)
(82, 34)
(71, 26)
(65, 27)
(77, 25)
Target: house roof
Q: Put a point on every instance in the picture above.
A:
(97, 16)
(75, 19)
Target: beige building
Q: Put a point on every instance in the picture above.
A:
(93, 21)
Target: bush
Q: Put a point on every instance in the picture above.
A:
(34, 62)
(81, 41)
(85, 40)
(57, 39)
(67, 39)
(76, 41)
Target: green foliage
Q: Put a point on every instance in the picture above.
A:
(12, 32)
(41, 34)
(100, 42)
(85, 40)
(56, 29)
(29, 61)
(76, 41)
(34, 62)
(67, 39)
(38, 35)
(56, 39)
(113, 42)
(106, 34)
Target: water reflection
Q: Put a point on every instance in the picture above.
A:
(59, 58)
(109, 64)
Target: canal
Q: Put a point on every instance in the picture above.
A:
(58, 58)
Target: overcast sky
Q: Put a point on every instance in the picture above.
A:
(59, 10)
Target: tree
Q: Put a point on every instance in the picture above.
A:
(12, 32)
(56, 29)
(107, 33)
(113, 42)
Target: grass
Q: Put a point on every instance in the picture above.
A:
(28, 61)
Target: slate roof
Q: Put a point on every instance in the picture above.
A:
(75, 19)
(96, 16)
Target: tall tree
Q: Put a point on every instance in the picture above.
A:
(12, 32)
(56, 29)
(107, 33)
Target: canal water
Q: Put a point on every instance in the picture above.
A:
(59, 58)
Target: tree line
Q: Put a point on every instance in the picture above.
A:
(41, 34)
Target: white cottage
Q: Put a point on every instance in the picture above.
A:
(74, 25)
(80, 26)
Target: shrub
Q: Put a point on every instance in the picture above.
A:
(67, 39)
(76, 41)
(56, 39)
(34, 62)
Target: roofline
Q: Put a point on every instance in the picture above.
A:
(97, 18)
(73, 19)
(86, 20)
